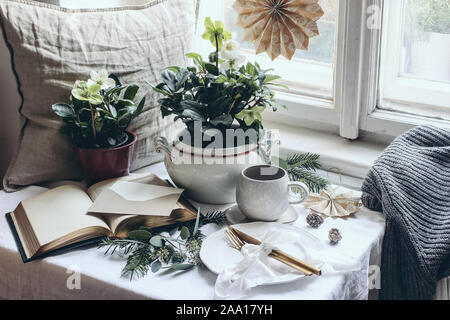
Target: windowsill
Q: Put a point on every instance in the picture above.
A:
(349, 159)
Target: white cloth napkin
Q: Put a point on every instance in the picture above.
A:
(257, 268)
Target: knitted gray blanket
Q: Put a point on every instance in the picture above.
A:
(410, 184)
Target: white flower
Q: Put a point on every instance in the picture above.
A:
(230, 50)
(231, 55)
(234, 63)
(102, 79)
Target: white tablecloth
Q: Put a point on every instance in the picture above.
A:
(100, 275)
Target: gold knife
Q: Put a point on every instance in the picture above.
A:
(278, 253)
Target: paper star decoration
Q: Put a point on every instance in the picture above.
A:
(334, 202)
(278, 27)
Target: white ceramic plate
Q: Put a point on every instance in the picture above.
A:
(218, 255)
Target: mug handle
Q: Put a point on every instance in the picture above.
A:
(302, 186)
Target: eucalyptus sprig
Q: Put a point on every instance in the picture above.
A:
(175, 247)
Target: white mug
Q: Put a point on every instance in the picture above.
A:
(263, 192)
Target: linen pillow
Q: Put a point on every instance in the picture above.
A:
(51, 47)
(9, 96)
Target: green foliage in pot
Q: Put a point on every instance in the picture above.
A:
(424, 16)
(99, 111)
(219, 92)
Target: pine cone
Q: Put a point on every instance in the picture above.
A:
(314, 220)
(335, 236)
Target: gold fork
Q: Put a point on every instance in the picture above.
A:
(238, 244)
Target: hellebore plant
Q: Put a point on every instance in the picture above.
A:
(98, 113)
(222, 93)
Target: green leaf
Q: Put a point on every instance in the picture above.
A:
(270, 78)
(131, 92)
(184, 233)
(156, 266)
(270, 84)
(126, 102)
(163, 92)
(251, 116)
(63, 110)
(139, 108)
(192, 114)
(211, 68)
(169, 78)
(114, 90)
(156, 241)
(174, 68)
(95, 99)
(172, 231)
(113, 111)
(181, 266)
(181, 78)
(224, 119)
(140, 235)
(196, 57)
(218, 106)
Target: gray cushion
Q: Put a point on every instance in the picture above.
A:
(52, 47)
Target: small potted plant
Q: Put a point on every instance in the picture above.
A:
(212, 98)
(96, 121)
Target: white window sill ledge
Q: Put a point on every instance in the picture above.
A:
(351, 160)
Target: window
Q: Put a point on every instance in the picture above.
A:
(372, 69)
(309, 72)
(416, 58)
(309, 75)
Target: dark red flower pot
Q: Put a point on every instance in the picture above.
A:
(102, 164)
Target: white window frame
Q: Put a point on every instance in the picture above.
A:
(401, 91)
(353, 110)
(381, 121)
(341, 114)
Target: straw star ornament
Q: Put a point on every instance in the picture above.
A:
(278, 27)
(334, 202)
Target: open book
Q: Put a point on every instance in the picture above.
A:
(70, 214)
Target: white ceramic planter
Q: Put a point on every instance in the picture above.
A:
(208, 175)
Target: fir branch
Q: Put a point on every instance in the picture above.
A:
(302, 167)
(312, 180)
(216, 217)
(138, 263)
(305, 160)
